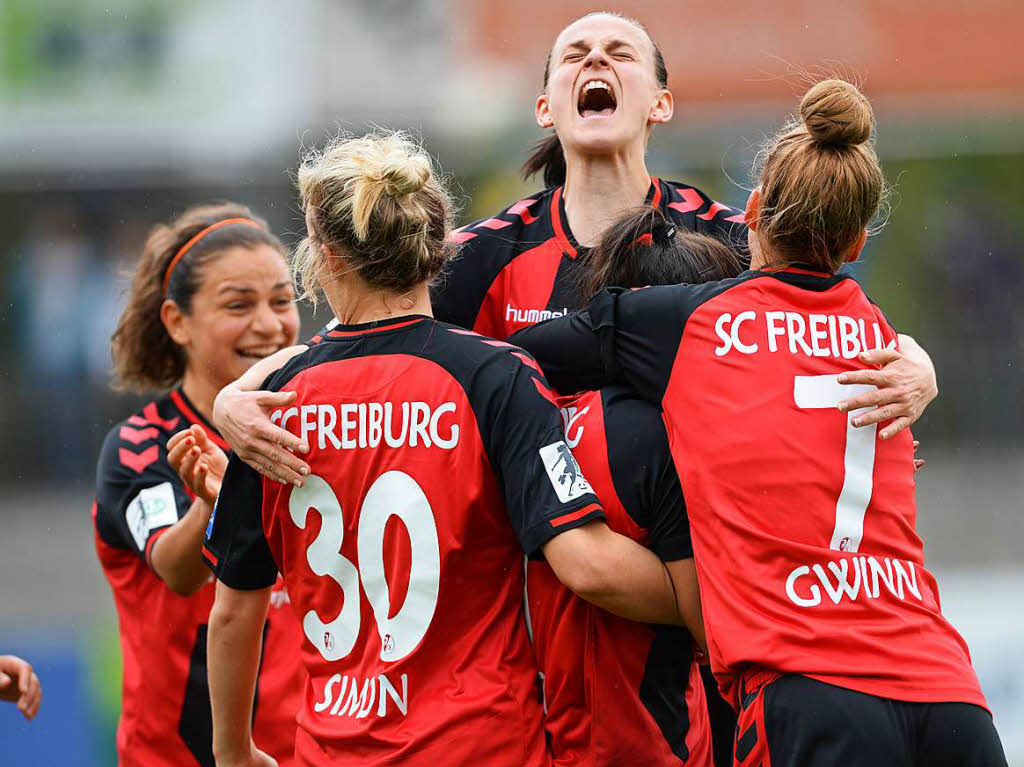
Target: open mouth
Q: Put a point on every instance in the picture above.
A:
(596, 100)
(256, 353)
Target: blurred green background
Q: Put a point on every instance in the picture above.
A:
(116, 115)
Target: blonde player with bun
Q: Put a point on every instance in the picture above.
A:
(824, 627)
(456, 435)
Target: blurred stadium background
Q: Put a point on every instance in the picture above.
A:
(114, 115)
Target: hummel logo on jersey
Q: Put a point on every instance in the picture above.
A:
(563, 471)
(531, 316)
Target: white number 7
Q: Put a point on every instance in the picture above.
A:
(858, 458)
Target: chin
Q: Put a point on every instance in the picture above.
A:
(240, 364)
(597, 138)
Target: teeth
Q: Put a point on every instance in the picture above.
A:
(258, 352)
(596, 84)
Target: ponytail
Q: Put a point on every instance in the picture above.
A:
(547, 158)
(644, 247)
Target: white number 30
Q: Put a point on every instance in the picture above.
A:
(394, 493)
(858, 458)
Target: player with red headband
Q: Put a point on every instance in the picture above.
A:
(211, 296)
(824, 627)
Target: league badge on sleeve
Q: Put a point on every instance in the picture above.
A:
(152, 508)
(563, 471)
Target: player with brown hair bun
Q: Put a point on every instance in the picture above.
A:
(823, 624)
(438, 458)
(211, 295)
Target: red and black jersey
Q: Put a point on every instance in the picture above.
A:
(519, 267)
(615, 691)
(803, 525)
(438, 457)
(165, 699)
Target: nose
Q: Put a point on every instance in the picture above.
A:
(596, 58)
(265, 321)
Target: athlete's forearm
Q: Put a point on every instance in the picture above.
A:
(176, 556)
(233, 658)
(614, 573)
(684, 579)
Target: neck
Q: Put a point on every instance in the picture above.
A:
(201, 392)
(599, 188)
(759, 257)
(354, 302)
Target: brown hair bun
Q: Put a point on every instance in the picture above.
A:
(836, 114)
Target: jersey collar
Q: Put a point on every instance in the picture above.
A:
(192, 415)
(560, 221)
(340, 331)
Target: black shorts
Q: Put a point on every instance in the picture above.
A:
(723, 720)
(796, 721)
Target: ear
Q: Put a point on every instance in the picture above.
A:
(175, 322)
(542, 112)
(753, 209)
(663, 108)
(858, 246)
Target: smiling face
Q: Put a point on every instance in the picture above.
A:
(602, 91)
(243, 311)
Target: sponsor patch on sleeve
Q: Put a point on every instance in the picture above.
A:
(563, 471)
(153, 508)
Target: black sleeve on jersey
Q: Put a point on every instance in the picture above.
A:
(644, 474)
(133, 505)
(236, 548)
(545, 492)
(569, 349)
(732, 232)
(458, 293)
(624, 336)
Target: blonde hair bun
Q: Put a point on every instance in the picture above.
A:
(380, 205)
(836, 113)
(404, 173)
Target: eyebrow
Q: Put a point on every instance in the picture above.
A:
(583, 44)
(246, 289)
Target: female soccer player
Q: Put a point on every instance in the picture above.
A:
(824, 626)
(211, 295)
(615, 691)
(605, 89)
(438, 458)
